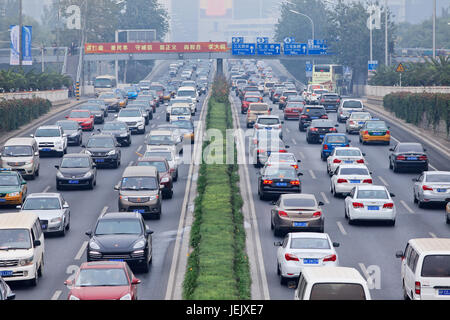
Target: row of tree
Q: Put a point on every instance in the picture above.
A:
(16, 79)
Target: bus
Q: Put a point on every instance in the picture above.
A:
(104, 84)
(328, 75)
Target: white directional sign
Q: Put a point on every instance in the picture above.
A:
(74, 17)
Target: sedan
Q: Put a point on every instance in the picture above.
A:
(123, 236)
(52, 209)
(293, 110)
(431, 187)
(347, 176)
(318, 129)
(108, 280)
(96, 110)
(73, 131)
(344, 155)
(83, 117)
(265, 146)
(332, 141)
(283, 159)
(407, 155)
(370, 203)
(356, 121)
(119, 130)
(310, 113)
(76, 170)
(296, 212)
(275, 181)
(300, 250)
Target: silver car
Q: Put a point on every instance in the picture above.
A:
(356, 121)
(347, 107)
(52, 209)
(431, 186)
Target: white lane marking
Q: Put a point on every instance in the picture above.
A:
(293, 141)
(324, 197)
(312, 174)
(301, 155)
(287, 130)
(46, 189)
(56, 295)
(432, 234)
(131, 163)
(384, 181)
(364, 271)
(81, 251)
(139, 149)
(406, 206)
(341, 228)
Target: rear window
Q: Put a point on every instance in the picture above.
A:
(438, 178)
(348, 153)
(352, 104)
(315, 111)
(336, 139)
(354, 171)
(268, 121)
(258, 107)
(309, 243)
(376, 125)
(337, 291)
(436, 266)
(372, 194)
(410, 148)
(299, 203)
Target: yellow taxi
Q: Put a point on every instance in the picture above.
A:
(13, 188)
(374, 131)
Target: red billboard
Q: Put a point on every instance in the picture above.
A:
(155, 47)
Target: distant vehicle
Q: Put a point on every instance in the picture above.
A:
(104, 83)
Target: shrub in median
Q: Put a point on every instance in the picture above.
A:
(15, 113)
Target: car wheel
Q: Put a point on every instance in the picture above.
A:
(283, 280)
(277, 232)
(271, 224)
(420, 204)
(395, 168)
(392, 223)
(145, 267)
(351, 221)
(262, 196)
(414, 197)
(390, 164)
(278, 270)
(170, 194)
(62, 233)
(448, 219)
(405, 295)
(91, 185)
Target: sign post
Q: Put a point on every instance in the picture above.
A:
(400, 69)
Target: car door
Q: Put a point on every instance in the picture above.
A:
(348, 200)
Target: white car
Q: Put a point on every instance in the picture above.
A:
(165, 138)
(344, 155)
(271, 123)
(347, 107)
(188, 92)
(348, 176)
(316, 93)
(134, 119)
(51, 139)
(370, 203)
(180, 113)
(304, 249)
(282, 159)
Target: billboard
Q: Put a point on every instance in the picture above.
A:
(155, 47)
(27, 59)
(214, 9)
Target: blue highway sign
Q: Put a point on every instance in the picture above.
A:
(295, 49)
(269, 49)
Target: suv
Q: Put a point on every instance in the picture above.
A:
(134, 118)
(103, 149)
(347, 107)
(22, 155)
(310, 113)
(51, 139)
(330, 101)
(139, 191)
(76, 170)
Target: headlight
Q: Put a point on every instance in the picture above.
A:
(151, 198)
(73, 135)
(72, 297)
(59, 174)
(88, 174)
(164, 180)
(112, 152)
(87, 152)
(58, 143)
(55, 220)
(94, 245)
(26, 262)
(14, 194)
(139, 245)
(126, 297)
(124, 134)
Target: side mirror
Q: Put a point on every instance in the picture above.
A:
(68, 282)
(36, 243)
(136, 281)
(336, 125)
(67, 117)
(23, 182)
(274, 203)
(399, 254)
(300, 174)
(12, 296)
(19, 207)
(116, 187)
(92, 116)
(88, 233)
(282, 122)
(149, 232)
(321, 203)
(414, 179)
(83, 146)
(161, 186)
(115, 116)
(391, 149)
(364, 154)
(392, 195)
(64, 135)
(36, 154)
(57, 166)
(66, 206)
(32, 135)
(299, 161)
(270, 109)
(278, 244)
(336, 244)
(424, 149)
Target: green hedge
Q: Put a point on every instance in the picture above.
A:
(15, 113)
(218, 265)
(16, 79)
(414, 107)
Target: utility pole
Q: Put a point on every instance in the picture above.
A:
(434, 29)
(20, 32)
(386, 62)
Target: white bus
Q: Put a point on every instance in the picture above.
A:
(104, 84)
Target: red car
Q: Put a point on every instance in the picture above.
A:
(83, 117)
(165, 175)
(103, 280)
(247, 100)
(293, 110)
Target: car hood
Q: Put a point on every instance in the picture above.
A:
(100, 293)
(14, 254)
(47, 139)
(16, 159)
(116, 242)
(47, 214)
(74, 171)
(9, 189)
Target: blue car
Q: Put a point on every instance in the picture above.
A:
(132, 92)
(331, 141)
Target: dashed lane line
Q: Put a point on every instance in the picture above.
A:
(81, 251)
(406, 206)
(341, 228)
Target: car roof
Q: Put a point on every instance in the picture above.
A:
(19, 141)
(103, 265)
(138, 171)
(295, 235)
(17, 220)
(44, 195)
(430, 245)
(333, 274)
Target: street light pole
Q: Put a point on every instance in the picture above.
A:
(434, 29)
(386, 62)
(20, 33)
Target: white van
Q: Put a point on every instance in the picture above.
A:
(426, 269)
(21, 247)
(191, 92)
(331, 283)
(22, 155)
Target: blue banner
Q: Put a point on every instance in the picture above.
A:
(27, 36)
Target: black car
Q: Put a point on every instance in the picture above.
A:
(318, 129)
(407, 155)
(104, 150)
(5, 291)
(148, 101)
(102, 105)
(96, 110)
(76, 170)
(121, 236)
(73, 131)
(276, 180)
(310, 113)
(330, 101)
(119, 130)
(146, 111)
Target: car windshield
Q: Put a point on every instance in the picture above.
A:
(80, 114)
(436, 266)
(259, 107)
(99, 102)
(14, 239)
(183, 124)
(130, 114)
(165, 155)
(160, 140)
(309, 243)
(348, 153)
(178, 100)
(100, 143)
(68, 125)
(9, 180)
(101, 277)
(42, 204)
(336, 139)
(46, 133)
(17, 151)
(252, 99)
(82, 162)
(360, 116)
(354, 171)
(376, 125)
(159, 165)
(268, 121)
(113, 126)
(372, 194)
(118, 226)
(299, 203)
(438, 178)
(410, 148)
(139, 183)
(180, 111)
(352, 104)
(281, 157)
(274, 172)
(103, 83)
(91, 107)
(186, 93)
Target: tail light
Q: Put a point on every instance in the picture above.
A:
(295, 166)
(388, 206)
(331, 258)
(255, 141)
(267, 182)
(401, 158)
(282, 214)
(388, 132)
(357, 205)
(323, 100)
(304, 117)
(366, 132)
(423, 158)
(295, 183)
(314, 129)
(427, 188)
(333, 130)
(260, 151)
(352, 122)
(360, 161)
(367, 181)
(317, 214)
(290, 257)
(417, 287)
(337, 161)
(325, 147)
(338, 100)
(342, 181)
(282, 151)
(324, 116)
(256, 126)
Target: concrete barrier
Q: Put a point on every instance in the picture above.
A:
(381, 91)
(54, 96)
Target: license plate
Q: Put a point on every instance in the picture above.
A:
(310, 261)
(46, 149)
(377, 134)
(119, 260)
(179, 118)
(281, 184)
(44, 227)
(355, 181)
(361, 122)
(99, 160)
(441, 190)
(411, 158)
(74, 181)
(445, 292)
(300, 224)
(268, 128)
(314, 117)
(139, 211)
(373, 208)
(348, 161)
(6, 273)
